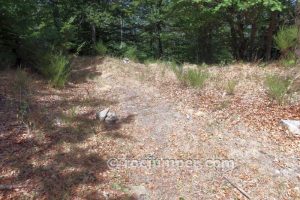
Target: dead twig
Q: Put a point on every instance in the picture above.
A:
(236, 187)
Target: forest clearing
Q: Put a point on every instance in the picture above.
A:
(56, 149)
(150, 99)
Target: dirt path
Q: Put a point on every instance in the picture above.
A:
(171, 142)
(194, 154)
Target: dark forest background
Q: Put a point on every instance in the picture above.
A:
(41, 33)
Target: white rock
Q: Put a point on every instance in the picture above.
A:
(102, 115)
(293, 126)
(125, 60)
(111, 118)
(139, 192)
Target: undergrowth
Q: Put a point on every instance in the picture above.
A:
(56, 69)
(277, 87)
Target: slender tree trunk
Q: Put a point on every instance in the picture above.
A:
(252, 40)
(241, 40)
(269, 35)
(93, 29)
(160, 46)
(297, 23)
(121, 32)
(234, 44)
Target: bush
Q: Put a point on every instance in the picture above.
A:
(195, 78)
(286, 38)
(56, 69)
(100, 48)
(131, 53)
(277, 87)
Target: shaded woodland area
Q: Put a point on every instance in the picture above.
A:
(195, 31)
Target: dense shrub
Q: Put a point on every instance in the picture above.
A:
(286, 40)
(56, 69)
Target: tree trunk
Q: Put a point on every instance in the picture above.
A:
(234, 44)
(93, 29)
(297, 23)
(158, 31)
(269, 35)
(252, 41)
(121, 32)
(160, 46)
(242, 48)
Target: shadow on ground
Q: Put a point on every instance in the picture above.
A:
(33, 146)
(85, 68)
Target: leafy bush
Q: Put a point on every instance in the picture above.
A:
(230, 87)
(100, 48)
(277, 87)
(195, 78)
(56, 69)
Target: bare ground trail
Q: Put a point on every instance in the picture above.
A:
(164, 131)
(171, 142)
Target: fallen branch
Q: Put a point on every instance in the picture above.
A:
(9, 187)
(236, 187)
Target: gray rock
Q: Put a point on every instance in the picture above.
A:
(102, 115)
(57, 121)
(139, 192)
(111, 118)
(292, 125)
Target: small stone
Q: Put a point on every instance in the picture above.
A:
(102, 115)
(57, 121)
(111, 118)
(126, 60)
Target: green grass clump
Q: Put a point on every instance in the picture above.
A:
(195, 78)
(131, 53)
(277, 87)
(230, 87)
(56, 69)
(289, 60)
(100, 48)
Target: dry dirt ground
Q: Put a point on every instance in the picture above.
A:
(171, 141)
